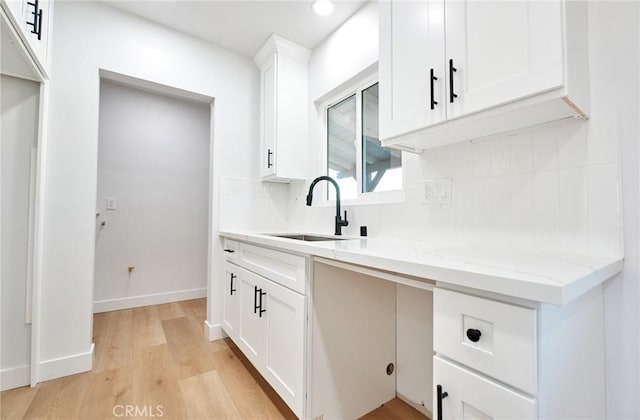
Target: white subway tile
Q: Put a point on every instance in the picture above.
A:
(500, 156)
(572, 144)
(521, 154)
(482, 158)
(603, 144)
(500, 210)
(604, 210)
(545, 210)
(545, 150)
(572, 210)
(521, 211)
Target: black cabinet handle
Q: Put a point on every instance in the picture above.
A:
(473, 335)
(230, 251)
(441, 395)
(269, 154)
(255, 299)
(261, 310)
(452, 70)
(233, 276)
(432, 79)
(37, 19)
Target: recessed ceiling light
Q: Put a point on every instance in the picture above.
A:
(322, 7)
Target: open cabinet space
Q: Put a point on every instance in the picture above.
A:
(371, 342)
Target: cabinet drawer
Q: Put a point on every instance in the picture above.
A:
(471, 396)
(285, 269)
(230, 249)
(506, 346)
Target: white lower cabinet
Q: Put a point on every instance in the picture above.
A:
(283, 325)
(250, 333)
(504, 358)
(267, 321)
(471, 396)
(231, 301)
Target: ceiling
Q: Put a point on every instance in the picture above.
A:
(243, 26)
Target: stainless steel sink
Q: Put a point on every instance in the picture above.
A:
(310, 238)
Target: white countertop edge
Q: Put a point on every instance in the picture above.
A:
(594, 270)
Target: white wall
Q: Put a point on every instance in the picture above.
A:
(19, 122)
(89, 36)
(153, 158)
(563, 187)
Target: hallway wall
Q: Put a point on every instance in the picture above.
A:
(153, 158)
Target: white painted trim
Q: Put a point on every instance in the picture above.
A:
(14, 377)
(153, 87)
(214, 332)
(38, 234)
(418, 407)
(68, 365)
(33, 166)
(384, 275)
(146, 300)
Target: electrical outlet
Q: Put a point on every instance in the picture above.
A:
(111, 203)
(436, 191)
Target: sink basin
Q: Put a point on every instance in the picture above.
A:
(310, 238)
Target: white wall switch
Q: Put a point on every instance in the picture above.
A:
(436, 191)
(111, 203)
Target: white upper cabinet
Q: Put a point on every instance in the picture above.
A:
(454, 70)
(283, 110)
(32, 19)
(412, 80)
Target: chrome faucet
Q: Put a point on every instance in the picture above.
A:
(339, 222)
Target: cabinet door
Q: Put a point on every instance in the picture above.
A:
(502, 51)
(471, 396)
(40, 43)
(17, 8)
(411, 52)
(268, 111)
(231, 301)
(285, 332)
(250, 329)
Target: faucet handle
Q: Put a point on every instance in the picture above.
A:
(344, 221)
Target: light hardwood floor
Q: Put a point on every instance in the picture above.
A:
(157, 359)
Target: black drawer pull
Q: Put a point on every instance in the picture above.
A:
(473, 335)
(269, 154)
(261, 310)
(432, 79)
(440, 395)
(233, 276)
(230, 251)
(452, 69)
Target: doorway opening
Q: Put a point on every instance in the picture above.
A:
(153, 194)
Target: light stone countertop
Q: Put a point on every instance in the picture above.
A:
(548, 278)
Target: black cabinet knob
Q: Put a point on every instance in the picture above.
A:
(473, 335)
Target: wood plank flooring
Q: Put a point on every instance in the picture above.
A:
(157, 360)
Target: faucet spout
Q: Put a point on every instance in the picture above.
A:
(339, 221)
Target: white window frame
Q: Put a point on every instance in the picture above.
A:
(376, 197)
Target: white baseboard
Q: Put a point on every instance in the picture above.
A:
(146, 300)
(15, 377)
(65, 366)
(214, 332)
(419, 407)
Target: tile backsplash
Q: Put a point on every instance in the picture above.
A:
(251, 205)
(550, 188)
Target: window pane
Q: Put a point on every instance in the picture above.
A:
(381, 168)
(341, 159)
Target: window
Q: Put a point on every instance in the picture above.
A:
(355, 156)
